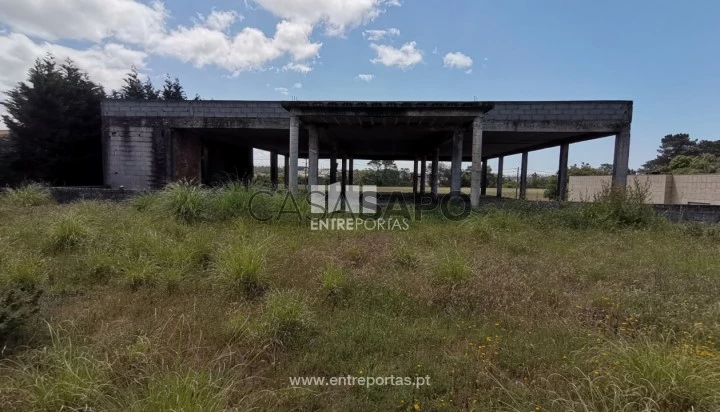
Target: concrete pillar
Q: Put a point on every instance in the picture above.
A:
(563, 171)
(415, 177)
(274, 169)
(456, 166)
(621, 158)
(434, 173)
(476, 173)
(484, 178)
(293, 154)
(351, 169)
(313, 153)
(423, 175)
(523, 176)
(286, 170)
(333, 163)
(343, 178)
(500, 176)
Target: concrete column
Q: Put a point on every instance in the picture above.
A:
(343, 178)
(484, 178)
(313, 153)
(293, 154)
(351, 169)
(286, 170)
(423, 175)
(563, 171)
(415, 177)
(523, 176)
(476, 173)
(333, 163)
(274, 169)
(456, 166)
(434, 173)
(500, 176)
(621, 158)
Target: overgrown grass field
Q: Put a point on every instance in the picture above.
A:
(180, 301)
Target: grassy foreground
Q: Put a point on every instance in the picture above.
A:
(180, 301)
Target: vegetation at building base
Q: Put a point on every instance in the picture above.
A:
(180, 300)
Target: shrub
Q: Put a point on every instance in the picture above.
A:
(68, 232)
(287, 318)
(17, 305)
(29, 195)
(231, 200)
(242, 266)
(621, 207)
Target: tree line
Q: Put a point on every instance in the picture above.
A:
(54, 123)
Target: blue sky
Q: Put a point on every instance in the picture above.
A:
(663, 55)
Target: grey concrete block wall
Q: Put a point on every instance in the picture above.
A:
(130, 154)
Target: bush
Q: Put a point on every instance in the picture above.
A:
(29, 195)
(17, 305)
(287, 318)
(242, 266)
(621, 207)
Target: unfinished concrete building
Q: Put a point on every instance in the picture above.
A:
(149, 143)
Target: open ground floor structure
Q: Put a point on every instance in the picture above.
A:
(149, 143)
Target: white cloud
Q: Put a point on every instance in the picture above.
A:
(405, 57)
(92, 20)
(375, 35)
(282, 90)
(106, 64)
(457, 60)
(336, 15)
(298, 67)
(221, 20)
(298, 85)
(365, 77)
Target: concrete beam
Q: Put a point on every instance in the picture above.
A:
(563, 172)
(523, 176)
(293, 154)
(500, 177)
(621, 158)
(456, 166)
(476, 171)
(313, 155)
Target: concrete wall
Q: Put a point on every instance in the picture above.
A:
(662, 189)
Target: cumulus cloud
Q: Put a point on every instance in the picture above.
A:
(405, 57)
(365, 77)
(282, 90)
(298, 67)
(221, 20)
(457, 60)
(298, 85)
(336, 15)
(375, 35)
(106, 64)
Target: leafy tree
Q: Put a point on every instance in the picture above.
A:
(670, 146)
(54, 121)
(585, 169)
(704, 163)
